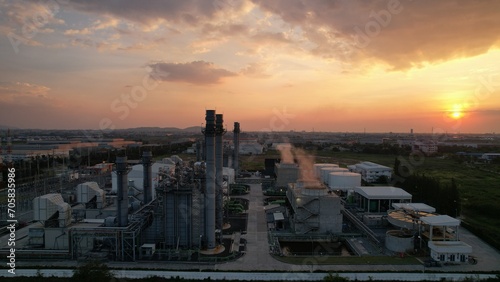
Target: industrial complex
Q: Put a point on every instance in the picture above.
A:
(171, 210)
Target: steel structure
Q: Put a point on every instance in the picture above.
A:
(121, 243)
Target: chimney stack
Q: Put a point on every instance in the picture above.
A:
(122, 191)
(209, 133)
(236, 153)
(219, 131)
(147, 176)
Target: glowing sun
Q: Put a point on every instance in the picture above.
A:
(456, 112)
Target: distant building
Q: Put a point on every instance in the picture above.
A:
(490, 156)
(371, 172)
(426, 147)
(101, 168)
(405, 142)
(251, 148)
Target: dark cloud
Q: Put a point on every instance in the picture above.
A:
(197, 72)
(271, 37)
(403, 34)
(146, 12)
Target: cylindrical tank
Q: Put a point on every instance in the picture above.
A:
(398, 241)
(325, 172)
(343, 180)
(317, 168)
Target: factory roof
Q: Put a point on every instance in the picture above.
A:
(372, 166)
(450, 247)
(278, 216)
(413, 207)
(441, 220)
(382, 192)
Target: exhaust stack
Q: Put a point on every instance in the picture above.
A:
(122, 191)
(147, 176)
(219, 131)
(236, 153)
(209, 133)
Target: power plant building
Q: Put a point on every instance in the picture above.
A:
(315, 209)
(286, 173)
(378, 199)
(166, 209)
(371, 172)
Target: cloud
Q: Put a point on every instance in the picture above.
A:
(84, 31)
(271, 38)
(197, 72)
(23, 93)
(26, 18)
(256, 70)
(401, 34)
(189, 12)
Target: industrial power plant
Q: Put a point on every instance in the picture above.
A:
(197, 211)
(156, 210)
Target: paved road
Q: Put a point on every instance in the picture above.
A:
(217, 276)
(257, 256)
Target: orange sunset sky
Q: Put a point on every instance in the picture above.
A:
(322, 65)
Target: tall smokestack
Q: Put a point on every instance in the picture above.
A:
(147, 176)
(9, 149)
(199, 151)
(219, 131)
(122, 191)
(236, 141)
(209, 133)
(1, 160)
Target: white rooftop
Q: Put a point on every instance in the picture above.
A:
(278, 216)
(372, 166)
(441, 220)
(450, 247)
(413, 207)
(382, 192)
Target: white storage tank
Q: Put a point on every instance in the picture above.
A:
(325, 172)
(399, 241)
(317, 168)
(343, 180)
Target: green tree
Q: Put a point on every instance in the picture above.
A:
(334, 278)
(95, 271)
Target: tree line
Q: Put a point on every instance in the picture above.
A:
(444, 197)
